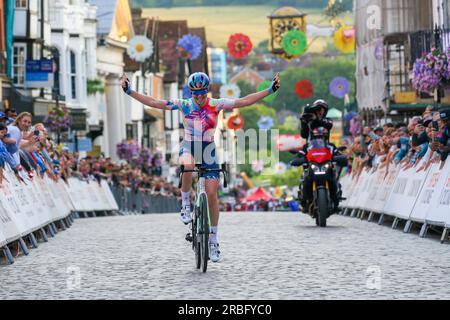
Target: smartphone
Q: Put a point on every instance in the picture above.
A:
(435, 125)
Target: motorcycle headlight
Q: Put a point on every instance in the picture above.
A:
(318, 169)
(327, 166)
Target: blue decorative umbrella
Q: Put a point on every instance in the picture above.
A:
(190, 46)
(339, 87)
(265, 123)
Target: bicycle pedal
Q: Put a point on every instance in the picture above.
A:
(189, 238)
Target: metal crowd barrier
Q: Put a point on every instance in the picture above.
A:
(138, 202)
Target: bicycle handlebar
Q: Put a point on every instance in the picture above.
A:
(201, 170)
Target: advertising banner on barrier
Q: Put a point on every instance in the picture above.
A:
(439, 210)
(50, 204)
(12, 206)
(375, 186)
(44, 215)
(76, 194)
(366, 188)
(25, 198)
(61, 209)
(386, 189)
(109, 195)
(8, 225)
(65, 197)
(429, 193)
(2, 237)
(87, 197)
(93, 196)
(405, 192)
(356, 191)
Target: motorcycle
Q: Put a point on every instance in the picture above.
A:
(319, 164)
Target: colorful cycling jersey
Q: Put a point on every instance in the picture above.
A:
(200, 122)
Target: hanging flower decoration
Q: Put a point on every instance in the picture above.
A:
(239, 45)
(339, 87)
(265, 123)
(58, 119)
(236, 122)
(294, 43)
(186, 92)
(258, 166)
(280, 168)
(128, 150)
(140, 48)
(379, 50)
(230, 91)
(345, 40)
(263, 86)
(304, 89)
(190, 47)
(431, 70)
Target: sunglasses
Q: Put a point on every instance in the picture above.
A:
(199, 93)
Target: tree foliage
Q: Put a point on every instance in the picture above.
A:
(320, 73)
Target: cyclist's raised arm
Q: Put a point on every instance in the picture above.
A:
(255, 97)
(146, 100)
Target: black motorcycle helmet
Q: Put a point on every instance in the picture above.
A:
(319, 104)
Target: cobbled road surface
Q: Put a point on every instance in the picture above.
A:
(265, 256)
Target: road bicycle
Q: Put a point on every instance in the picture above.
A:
(199, 235)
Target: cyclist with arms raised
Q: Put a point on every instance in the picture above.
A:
(200, 120)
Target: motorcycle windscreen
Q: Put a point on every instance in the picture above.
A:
(318, 151)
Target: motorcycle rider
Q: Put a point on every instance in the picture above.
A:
(314, 117)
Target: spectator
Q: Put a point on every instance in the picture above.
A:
(355, 126)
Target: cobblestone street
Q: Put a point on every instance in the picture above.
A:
(265, 256)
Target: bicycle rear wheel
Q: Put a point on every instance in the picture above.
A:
(204, 234)
(196, 239)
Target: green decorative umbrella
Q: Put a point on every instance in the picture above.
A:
(263, 86)
(295, 43)
(334, 114)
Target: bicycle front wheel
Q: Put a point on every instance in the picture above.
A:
(204, 234)
(195, 238)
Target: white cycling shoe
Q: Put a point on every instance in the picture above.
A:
(214, 252)
(186, 216)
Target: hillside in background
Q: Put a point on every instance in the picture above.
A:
(221, 22)
(188, 3)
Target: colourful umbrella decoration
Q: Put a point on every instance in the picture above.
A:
(258, 166)
(278, 192)
(294, 43)
(344, 39)
(140, 48)
(265, 123)
(190, 47)
(236, 122)
(239, 45)
(263, 86)
(186, 92)
(280, 168)
(339, 87)
(230, 91)
(304, 89)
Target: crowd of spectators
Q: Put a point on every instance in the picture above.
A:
(29, 151)
(422, 140)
